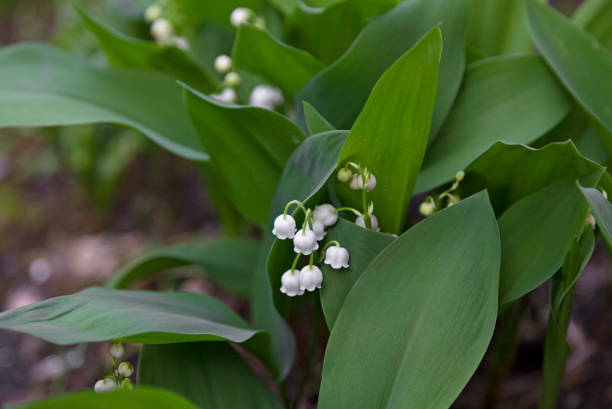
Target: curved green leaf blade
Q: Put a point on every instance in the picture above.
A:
(148, 317)
(210, 374)
(258, 52)
(511, 99)
(390, 135)
(228, 261)
(573, 53)
(124, 51)
(250, 147)
(43, 86)
(595, 16)
(602, 211)
(315, 123)
(340, 91)
(138, 398)
(420, 317)
(363, 246)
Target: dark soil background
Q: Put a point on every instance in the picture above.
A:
(63, 228)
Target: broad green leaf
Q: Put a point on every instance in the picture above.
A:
(390, 135)
(210, 374)
(138, 398)
(125, 51)
(249, 145)
(363, 246)
(512, 99)
(510, 172)
(315, 123)
(228, 261)
(556, 348)
(415, 326)
(602, 211)
(571, 53)
(340, 91)
(499, 27)
(306, 172)
(148, 317)
(43, 86)
(258, 52)
(536, 234)
(595, 16)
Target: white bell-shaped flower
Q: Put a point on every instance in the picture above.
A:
(305, 241)
(311, 278)
(105, 385)
(125, 369)
(337, 257)
(284, 227)
(319, 229)
(290, 283)
(266, 97)
(240, 16)
(360, 221)
(223, 64)
(227, 95)
(357, 182)
(161, 30)
(326, 214)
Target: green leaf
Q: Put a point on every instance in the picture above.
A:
(511, 172)
(363, 245)
(340, 91)
(390, 135)
(125, 51)
(556, 348)
(43, 86)
(499, 27)
(227, 261)
(148, 317)
(138, 398)
(572, 53)
(595, 16)
(258, 52)
(210, 374)
(417, 323)
(512, 99)
(536, 234)
(250, 147)
(315, 121)
(602, 211)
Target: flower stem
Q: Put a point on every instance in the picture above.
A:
(295, 261)
(311, 259)
(294, 202)
(350, 209)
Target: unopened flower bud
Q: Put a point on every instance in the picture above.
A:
(125, 369)
(232, 79)
(326, 214)
(223, 64)
(161, 30)
(337, 257)
(227, 95)
(290, 283)
(345, 175)
(180, 42)
(266, 97)
(105, 385)
(305, 242)
(116, 350)
(311, 278)
(590, 220)
(126, 384)
(460, 175)
(241, 15)
(152, 13)
(356, 182)
(427, 208)
(284, 227)
(360, 221)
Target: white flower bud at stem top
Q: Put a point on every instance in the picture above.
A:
(337, 257)
(360, 221)
(427, 208)
(116, 350)
(305, 242)
(240, 16)
(290, 283)
(227, 95)
(311, 278)
(232, 79)
(161, 30)
(223, 64)
(326, 214)
(345, 175)
(460, 175)
(266, 97)
(152, 13)
(319, 229)
(284, 227)
(105, 385)
(125, 369)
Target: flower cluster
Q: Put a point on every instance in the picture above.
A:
(434, 203)
(360, 178)
(305, 243)
(120, 377)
